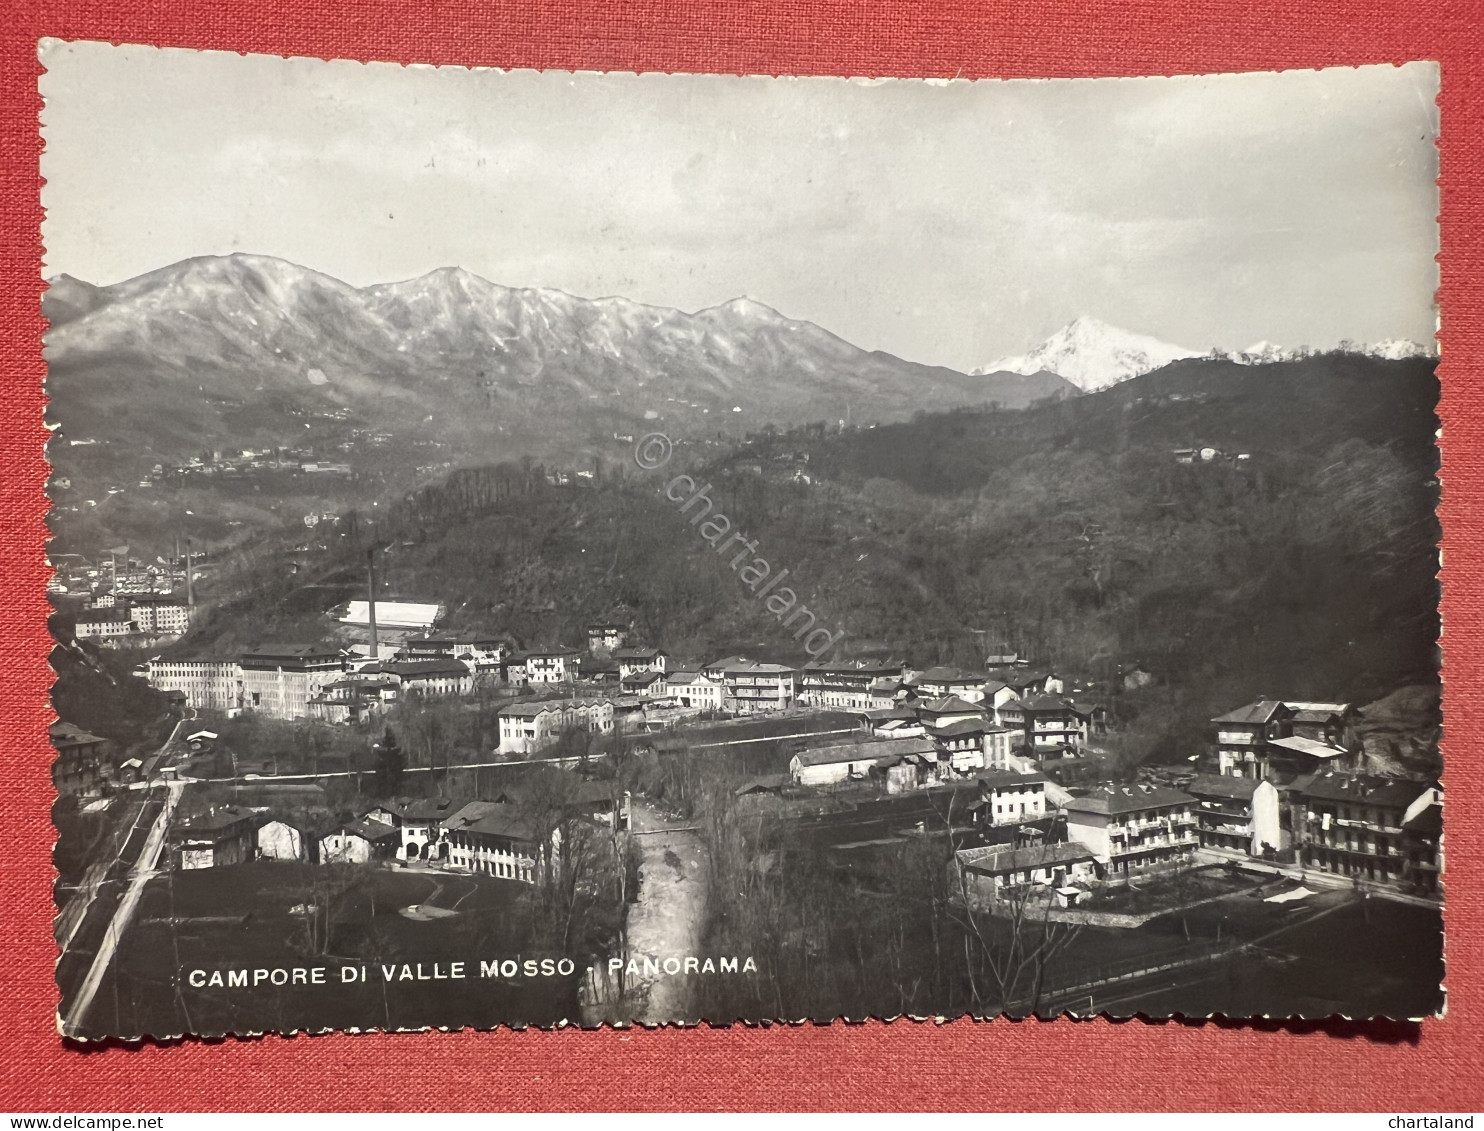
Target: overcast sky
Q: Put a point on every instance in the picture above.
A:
(946, 223)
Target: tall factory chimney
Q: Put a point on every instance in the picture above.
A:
(371, 598)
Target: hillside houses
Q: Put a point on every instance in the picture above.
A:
(1271, 737)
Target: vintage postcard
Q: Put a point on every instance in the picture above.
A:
(548, 548)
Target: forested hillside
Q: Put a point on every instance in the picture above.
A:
(1069, 530)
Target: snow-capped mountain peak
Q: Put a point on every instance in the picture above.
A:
(1091, 354)
(1391, 349)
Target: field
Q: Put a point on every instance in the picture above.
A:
(269, 915)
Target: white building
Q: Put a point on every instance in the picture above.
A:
(631, 660)
(208, 685)
(695, 690)
(103, 624)
(492, 839)
(404, 616)
(753, 688)
(280, 679)
(360, 842)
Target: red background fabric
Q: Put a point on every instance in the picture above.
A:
(904, 1065)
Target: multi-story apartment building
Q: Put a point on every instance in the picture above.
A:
(280, 679)
(82, 759)
(752, 688)
(937, 682)
(1355, 825)
(1237, 814)
(1011, 799)
(844, 685)
(550, 665)
(1133, 828)
(493, 839)
(208, 685)
(161, 613)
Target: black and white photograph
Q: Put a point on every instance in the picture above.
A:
(547, 548)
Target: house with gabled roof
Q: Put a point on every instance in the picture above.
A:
(993, 872)
(1281, 739)
(362, 841)
(949, 709)
(493, 839)
(695, 690)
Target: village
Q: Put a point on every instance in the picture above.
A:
(1003, 762)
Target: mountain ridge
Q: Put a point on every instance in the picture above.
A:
(407, 379)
